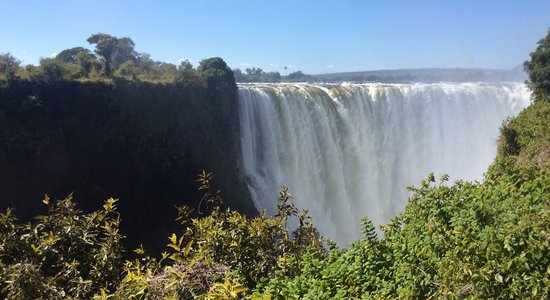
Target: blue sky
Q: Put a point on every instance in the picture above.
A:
(312, 36)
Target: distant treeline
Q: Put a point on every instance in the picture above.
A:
(425, 75)
(259, 75)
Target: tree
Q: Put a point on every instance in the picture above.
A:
(124, 51)
(70, 55)
(538, 69)
(296, 76)
(50, 69)
(145, 63)
(115, 51)
(87, 62)
(9, 65)
(254, 71)
(254, 74)
(167, 72)
(239, 76)
(215, 70)
(187, 75)
(127, 70)
(271, 77)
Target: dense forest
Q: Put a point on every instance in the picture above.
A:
(488, 239)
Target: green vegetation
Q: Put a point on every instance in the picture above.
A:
(9, 66)
(68, 254)
(114, 51)
(259, 75)
(478, 240)
(65, 254)
(256, 75)
(114, 58)
(117, 58)
(526, 138)
(538, 69)
(473, 240)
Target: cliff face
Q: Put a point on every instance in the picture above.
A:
(139, 142)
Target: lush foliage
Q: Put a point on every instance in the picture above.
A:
(68, 254)
(9, 66)
(538, 69)
(114, 58)
(526, 138)
(479, 240)
(65, 254)
(474, 240)
(114, 51)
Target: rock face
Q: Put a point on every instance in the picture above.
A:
(139, 142)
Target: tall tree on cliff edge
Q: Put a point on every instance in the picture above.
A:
(216, 73)
(538, 69)
(115, 51)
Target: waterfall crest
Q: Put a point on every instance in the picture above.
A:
(350, 150)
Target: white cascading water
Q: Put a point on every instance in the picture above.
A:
(350, 150)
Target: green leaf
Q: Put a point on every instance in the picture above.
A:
(175, 247)
(188, 248)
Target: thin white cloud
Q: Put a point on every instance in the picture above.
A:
(246, 65)
(273, 65)
(54, 54)
(290, 66)
(24, 51)
(329, 66)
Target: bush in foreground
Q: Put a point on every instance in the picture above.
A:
(69, 254)
(65, 254)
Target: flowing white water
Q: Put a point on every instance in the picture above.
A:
(348, 151)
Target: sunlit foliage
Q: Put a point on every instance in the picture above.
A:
(538, 68)
(64, 254)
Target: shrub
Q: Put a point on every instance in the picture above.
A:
(221, 255)
(64, 254)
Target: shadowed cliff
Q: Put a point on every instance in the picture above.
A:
(141, 142)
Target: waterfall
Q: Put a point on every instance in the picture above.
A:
(350, 150)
